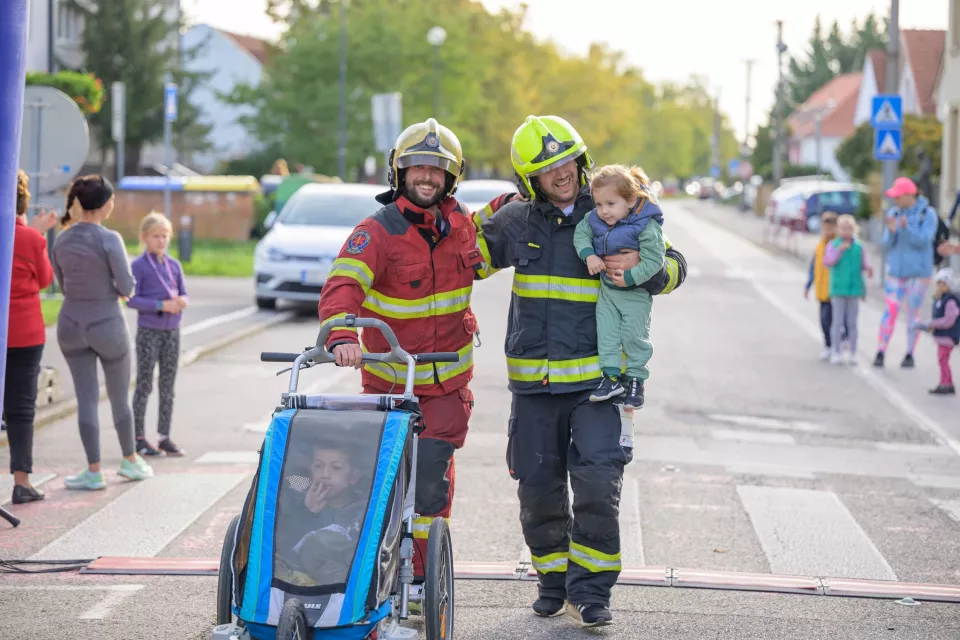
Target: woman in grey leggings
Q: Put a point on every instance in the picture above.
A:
(90, 263)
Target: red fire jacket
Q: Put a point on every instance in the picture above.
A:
(401, 267)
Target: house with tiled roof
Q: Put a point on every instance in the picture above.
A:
(921, 51)
(230, 59)
(947, 96)
(822, 123)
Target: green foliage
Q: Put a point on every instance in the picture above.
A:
(84, 88)
(919, 133)
(493, 75)
(133, 41)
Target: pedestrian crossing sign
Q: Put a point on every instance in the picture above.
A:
(886, 112)
(886, 145)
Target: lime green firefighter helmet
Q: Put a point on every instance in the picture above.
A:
(543, 143)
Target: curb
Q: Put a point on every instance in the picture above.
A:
(62, 410)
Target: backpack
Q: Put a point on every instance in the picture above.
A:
(941, 236)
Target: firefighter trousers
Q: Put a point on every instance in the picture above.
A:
(576, 554)
(445, 420)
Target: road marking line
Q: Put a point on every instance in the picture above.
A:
(812, 533)
(765, 423)
(333, 379)
(114, 597)
(752, 436)
(229, 457)
(203, 325)
(631, 525)
(952, 507)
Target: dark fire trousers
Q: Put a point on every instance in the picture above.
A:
(576, 555)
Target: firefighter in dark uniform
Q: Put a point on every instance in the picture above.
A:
(553, 367)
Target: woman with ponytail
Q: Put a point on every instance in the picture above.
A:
(31, 273)
(90, 262)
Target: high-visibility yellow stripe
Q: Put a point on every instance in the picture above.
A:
(556, 288)
(482, 215)
(337, 316)
(351, 268)
(438, 304)
(673, 275)
(421, 527)
(552, 563)
(485, 270)
(593, 560)
(560, 371)
(424, 372)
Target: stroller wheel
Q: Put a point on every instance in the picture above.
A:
(438, 584)
(293, 621)
(225, 575)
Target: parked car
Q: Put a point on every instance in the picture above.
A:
(475, 194)
(295, 256)
(804, 206)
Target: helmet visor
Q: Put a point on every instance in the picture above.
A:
(554, 165)
(450, 165)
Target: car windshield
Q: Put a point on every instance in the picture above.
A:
(329, 209)
(484, 193)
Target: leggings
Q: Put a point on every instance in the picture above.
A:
(899, 291)
(845, 315)
(943, 359)
(108, 341)
(163, 347)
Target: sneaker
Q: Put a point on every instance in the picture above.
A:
(168, 447)
(548, 607)
(591, 615)
(878, 361)
(944, 390)
(825, 354)
(851, 358)
(23, 495)
(138, 470)
(836, 358)
(634, 393)
(144, 448)
(609, 388)
(86, 480)
(907, 362)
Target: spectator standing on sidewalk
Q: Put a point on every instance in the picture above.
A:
(90, 262)
(908, 236)
(31, 273)
(160, 298)
(945, 327)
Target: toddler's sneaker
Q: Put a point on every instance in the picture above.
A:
(138, 470)
(908, 362)
(144, 448)
(591, 615)
(851, 358)
(634, 393)
(836, 358)
(86, 480)
(878, 361)
(609, 388)
(825, 354)
(548, 607)
(944, 390)
(168, 447)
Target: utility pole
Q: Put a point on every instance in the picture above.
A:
(890, 167)
(746, 118)
(778, 143)
(342, 147)
(715, 155)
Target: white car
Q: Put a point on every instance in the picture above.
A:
(476, 194)
(293, 259)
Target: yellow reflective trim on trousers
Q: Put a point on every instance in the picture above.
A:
(552, 563)
(592, 560)
(350, 268)
(560, 371)
(424, 373)
(421, 527)
(337, 316)
(556, 288)
(438, 304)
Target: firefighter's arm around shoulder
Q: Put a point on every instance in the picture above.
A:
(491, 245)
(354, 272)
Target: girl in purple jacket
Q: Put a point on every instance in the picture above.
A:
(160, 297)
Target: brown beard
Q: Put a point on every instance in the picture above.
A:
(409, 191)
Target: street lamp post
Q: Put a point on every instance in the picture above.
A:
(436, 37)
(342, 146)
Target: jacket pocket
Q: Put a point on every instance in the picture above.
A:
(471, 257)
(525, 338)
(521, 254)
(413, 275)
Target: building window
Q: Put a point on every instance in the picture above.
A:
(69, 24)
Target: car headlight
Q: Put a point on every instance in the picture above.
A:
(275, 255)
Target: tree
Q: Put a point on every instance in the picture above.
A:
(133, 41)
(920, 133)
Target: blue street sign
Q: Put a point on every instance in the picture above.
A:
(715, 171)
(886, 112)
(170, 102)
(886, 145)
(733, 166)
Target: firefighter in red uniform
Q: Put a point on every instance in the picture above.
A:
(412, 265)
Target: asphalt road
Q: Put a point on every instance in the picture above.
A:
(751, 455)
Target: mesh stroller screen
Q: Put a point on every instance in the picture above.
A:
(326, 483)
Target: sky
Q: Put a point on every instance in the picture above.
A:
(668, 40)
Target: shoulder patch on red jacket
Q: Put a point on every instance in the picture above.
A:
(359, 241)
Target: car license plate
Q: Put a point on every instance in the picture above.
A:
(312, 277)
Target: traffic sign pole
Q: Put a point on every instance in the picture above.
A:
(118, 92)
(169, 117)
